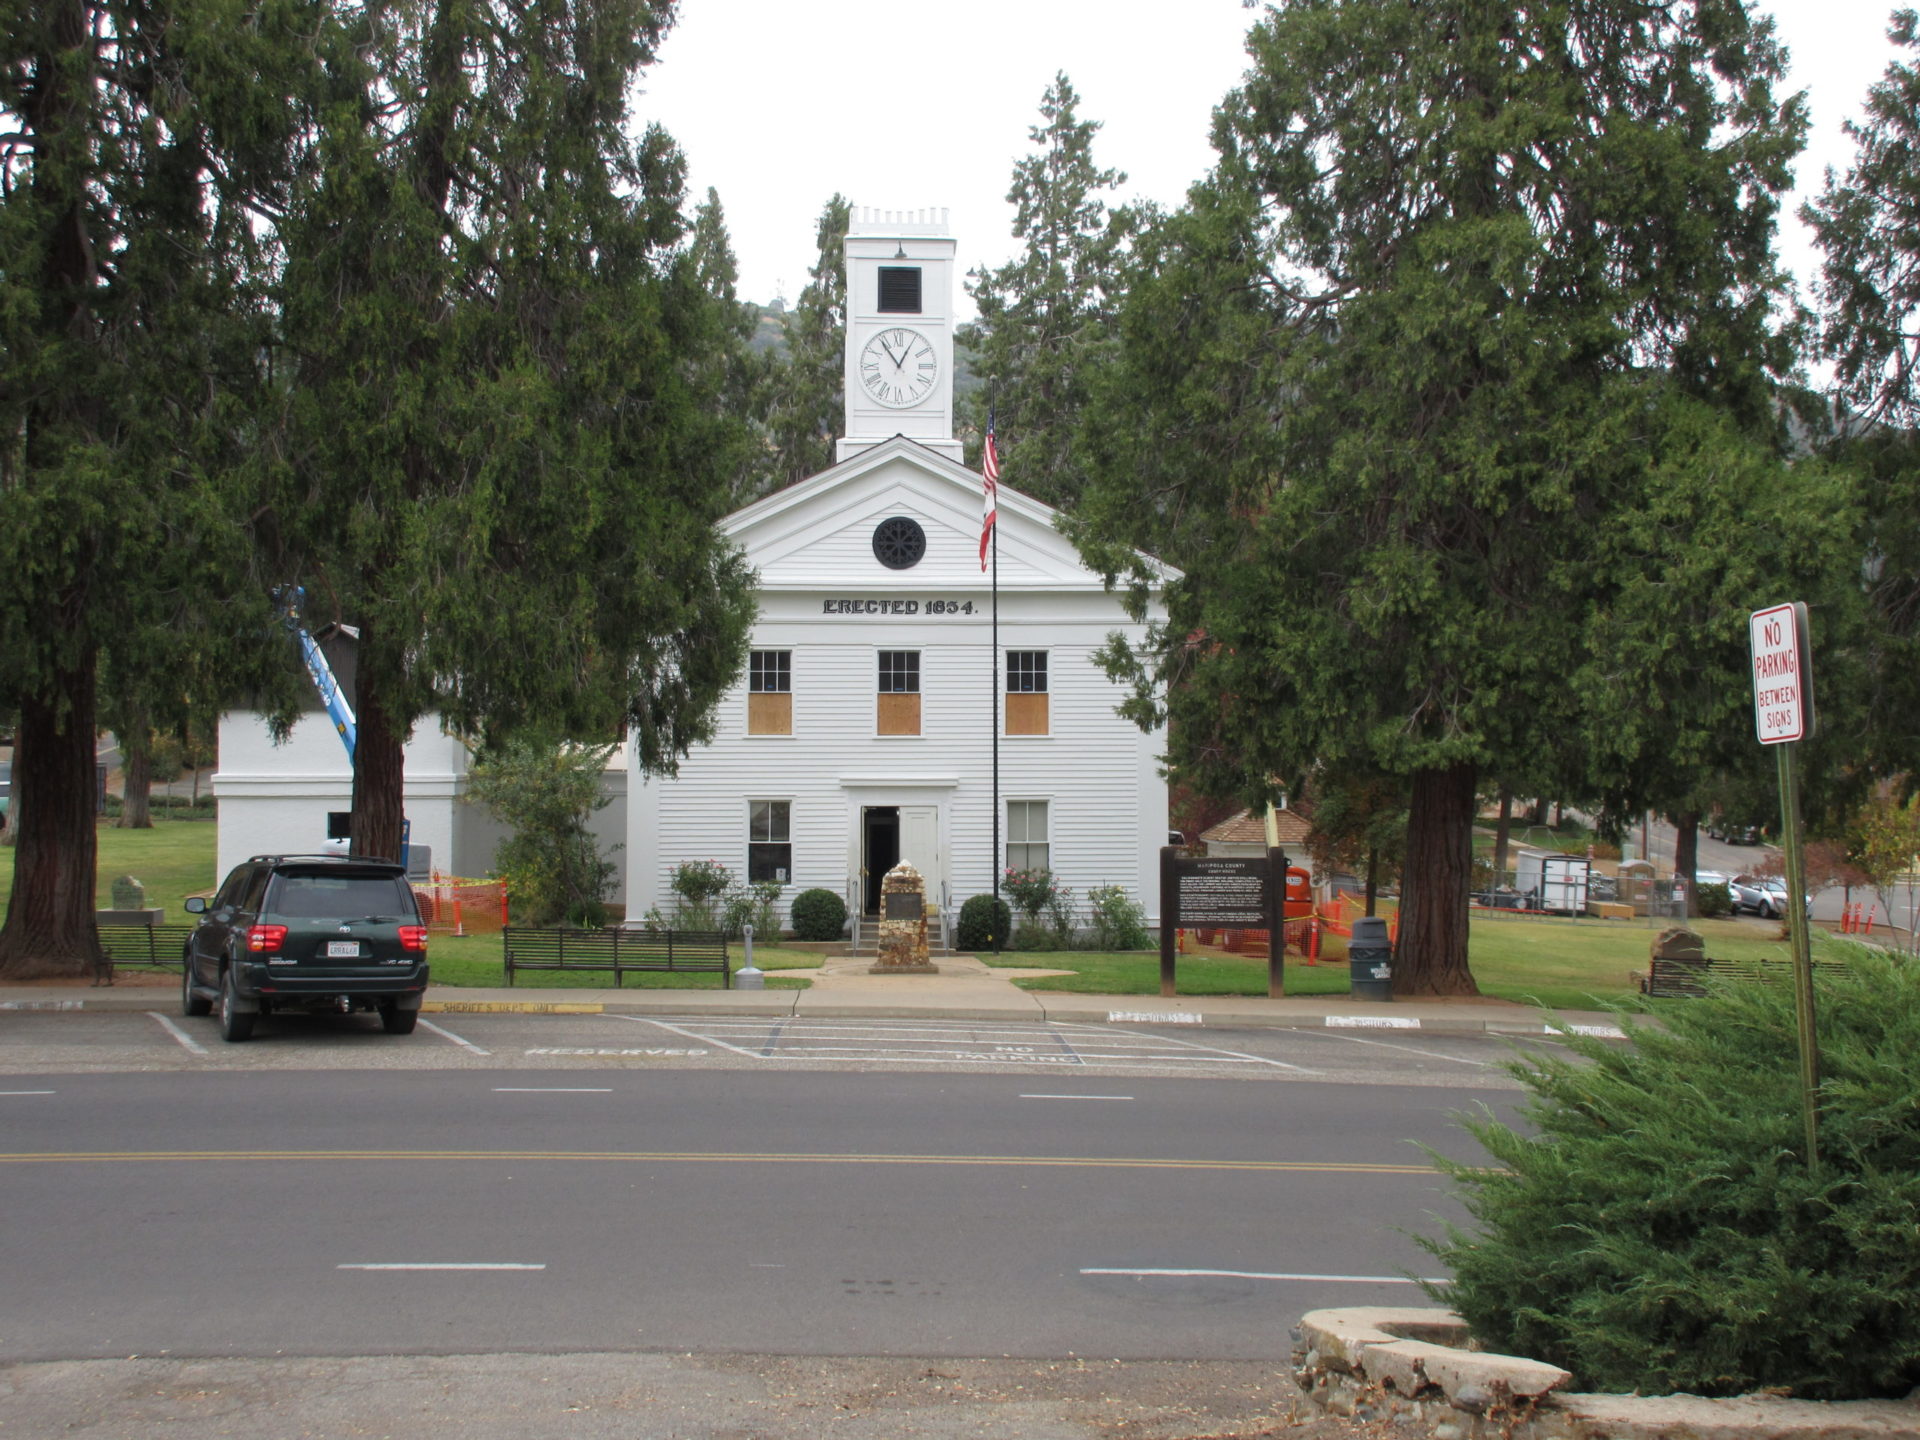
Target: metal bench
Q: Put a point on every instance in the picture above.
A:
(158, 945)
(1686, 978)
(700, 952)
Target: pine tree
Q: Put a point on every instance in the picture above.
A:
(505, 447)
(1867, 223)
(1044, 314)
(1382, 381)
(809, 390)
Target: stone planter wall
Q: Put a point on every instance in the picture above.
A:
(1419, 1364)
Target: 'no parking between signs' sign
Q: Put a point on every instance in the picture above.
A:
(1782, 686)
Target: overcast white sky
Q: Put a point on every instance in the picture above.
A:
(780, 103)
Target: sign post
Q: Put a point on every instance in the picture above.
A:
(1782, 717)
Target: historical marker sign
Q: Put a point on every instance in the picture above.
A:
(1782, 699)
(1241, 893)
(1221, 894)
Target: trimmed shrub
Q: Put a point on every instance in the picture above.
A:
(1713, 901)
(1660, 1230)
(818, 915)
(983, 920)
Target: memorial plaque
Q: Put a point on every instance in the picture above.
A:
(904, 905)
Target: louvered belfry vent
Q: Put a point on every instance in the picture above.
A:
(900, 289)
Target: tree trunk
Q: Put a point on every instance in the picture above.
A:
(1373, 878)
(136, 787)
(1502, 832)
(1686, 856)
(1537, 812)
(379, 765)
(1432, 955)
(49, 931)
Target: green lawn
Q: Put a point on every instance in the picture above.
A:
(1565, 964)
(1562, 964)
(175, 859)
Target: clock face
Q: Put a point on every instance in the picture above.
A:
(898, 367)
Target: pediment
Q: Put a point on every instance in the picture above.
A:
(820, 533)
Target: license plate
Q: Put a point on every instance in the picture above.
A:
(342, 949)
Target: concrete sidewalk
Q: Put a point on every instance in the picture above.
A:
(965, 989)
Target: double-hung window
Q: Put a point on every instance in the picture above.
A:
(1027, 844)
(899, 701)
(770, 692)
(1026, 708)
(770, 840)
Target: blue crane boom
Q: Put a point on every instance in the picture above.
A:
(290, 598)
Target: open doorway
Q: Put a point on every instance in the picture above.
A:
(879, 851)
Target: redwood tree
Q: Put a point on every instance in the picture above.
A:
(1385, 378)
(140, 146)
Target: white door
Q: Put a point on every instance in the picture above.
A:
(920, 844)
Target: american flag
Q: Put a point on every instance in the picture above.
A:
(990, 496)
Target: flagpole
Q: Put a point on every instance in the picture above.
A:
(994, 667)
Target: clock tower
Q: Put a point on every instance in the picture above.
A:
(899, 368)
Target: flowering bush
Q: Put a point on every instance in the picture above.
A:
(1030, 890)
(701, 881)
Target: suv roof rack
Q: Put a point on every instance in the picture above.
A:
(328, 859)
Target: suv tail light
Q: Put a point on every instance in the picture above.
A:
(266, 939)
(413, 937)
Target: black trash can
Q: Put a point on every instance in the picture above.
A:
(1370, 960)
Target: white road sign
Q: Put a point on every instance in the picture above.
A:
(1782, 698)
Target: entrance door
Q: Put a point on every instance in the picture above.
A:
(920, 844)
(879, 851)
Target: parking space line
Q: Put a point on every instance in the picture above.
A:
(689, 1034)
(177, 1033)
(466, 1044)
(1256, 1059)
(26, 1092)
(552, 1090)
(1389, 1045)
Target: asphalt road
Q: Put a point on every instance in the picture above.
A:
(603, 1184)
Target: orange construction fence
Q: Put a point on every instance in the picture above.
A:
(454, 906)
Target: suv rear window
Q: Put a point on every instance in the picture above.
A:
(342, 897)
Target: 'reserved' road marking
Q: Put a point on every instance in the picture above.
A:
(177, 1033)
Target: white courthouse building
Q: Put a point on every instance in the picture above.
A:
(863, 731)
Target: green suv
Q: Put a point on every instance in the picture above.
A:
(307, 932)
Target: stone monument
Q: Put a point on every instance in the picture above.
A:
(903, 924)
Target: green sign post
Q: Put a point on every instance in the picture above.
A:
(1782, 717)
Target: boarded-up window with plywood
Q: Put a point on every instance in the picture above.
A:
(770, 692)
(1027, 693)
(899, 711)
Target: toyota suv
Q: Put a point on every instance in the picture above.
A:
(307, 932)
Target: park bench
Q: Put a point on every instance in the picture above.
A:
(144, 944)
(621, 951)
(1686, 977)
